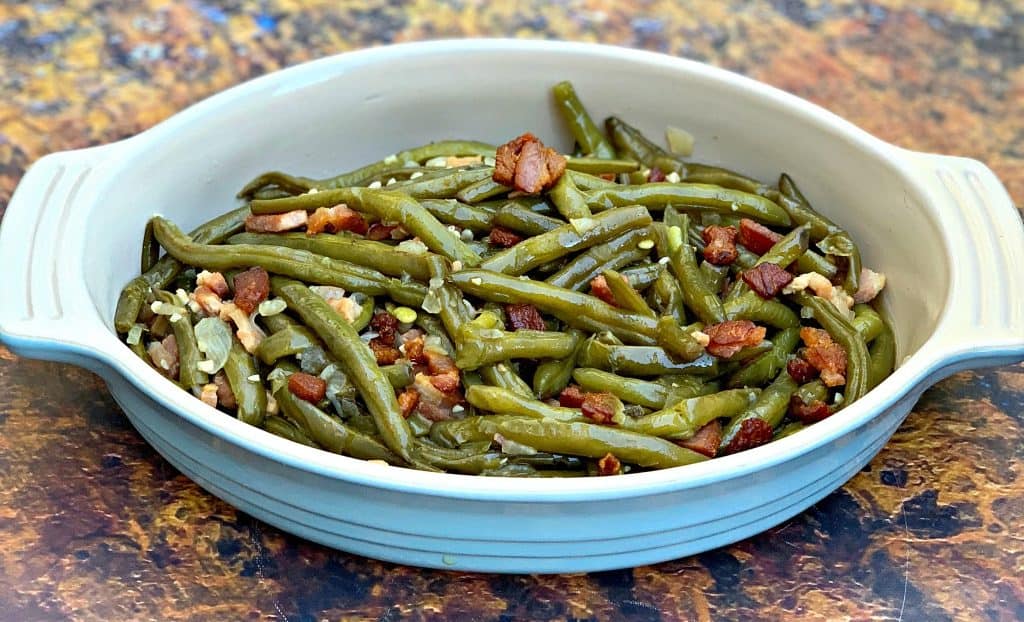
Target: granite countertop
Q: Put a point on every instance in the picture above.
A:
(94, 525)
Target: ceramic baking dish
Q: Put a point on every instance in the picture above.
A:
(942, 228)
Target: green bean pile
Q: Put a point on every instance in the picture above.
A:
(609, 323)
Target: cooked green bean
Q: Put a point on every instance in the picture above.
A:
(631, 390)
(667, 297)
(329, 432)
(278, 426)
(444, 184)
(452, 212)
(554, 375)
(612, 255)
(625, 296)
(250, 395)
(641, 360)
(643, 276)
(457, 460)
(498, 400)
(150, 249)
(697, 294)
(658, 195)
(789, 429)
(189, 374)
(568, 200)
(678, 340)
(601, 166)
(399, 374)
(523, 220)
(782, 253)
(588, 136)
(813, 391)
(589, 183)
(491, 346)
(882, 357)
(767, 366)
(481, 191)
(683, 419)
(750, 306)
(287, 342)
(867, 321)
(771, 406)
(857, 361)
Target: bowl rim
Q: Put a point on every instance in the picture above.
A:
(907, 377)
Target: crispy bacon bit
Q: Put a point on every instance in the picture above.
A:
(800, 370)
(379, 231)
(871, 284)
(407, 401)
(609, 465)
(656, 174)
(767, 279)
(706, 440)
(412, 343)
(384, 353)
(500, 236)
(752, 432)
(335, 219)
(275, 223)
(346, 307)
(225, 396)
(527, 165)
(571, 397)
(213, 281)
(443, 373)
(164, 355)
(385, 326)
(251, 288)
(719, 245)
(434, 404)
(247, 331)
(307, 387)
(808, 413)
(446, 382)
(599, 288)
(208, 395)
(756, 237)
(601, 407)
(207, 300)
(731, 336)
(521, 316)
(825, 355)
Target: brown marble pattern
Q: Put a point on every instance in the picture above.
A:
(95, 526)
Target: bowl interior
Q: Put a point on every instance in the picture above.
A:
(340, 113)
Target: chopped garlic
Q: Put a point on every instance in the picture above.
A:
(391, 159)
(268, 308)
(416, 175)
(391, 180)
(456, 265)
(405, 315)
(701, 337)
(438, 162)
(466, 235)
(645, 245)
(253, 378)
(476, 280)
(375, 184)
(663, 261)
(673, 177)
(489, 161)
(181, 295)
(582, 225)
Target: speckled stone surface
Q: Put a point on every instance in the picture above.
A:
(95, 526)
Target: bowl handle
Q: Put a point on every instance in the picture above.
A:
(984, 324)
(40, 315)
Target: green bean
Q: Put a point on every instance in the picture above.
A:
(399, 374)
(150, 249)
(789, 429)
(668, 297)
(535, 203)
(642, 277)
(612, 255)
(279, 426)
(444, 185)
(163, 272)
(882, 357)
(813, 391)
(278, 322)
(288, 342)
(553, 376)
(768, 365)
(705, 174)
(588, 136)
(857, 362)
(330, 433)
(630, 142)
(750, 306)
(481, 191)
(685, 387)
(451, 212)
(458, 461)
(867, 321)
(697, 294)
(782, 253)
(580, 234)
(547, 461)
(658, 195)
(678, 340)
(575, 309)
(292, 184)
(641, 360)
(568, 200)
(683, 419)
(432, 326)
(488, 347)
(522, 220)
(250, 395)
(504, 376)
(600, 166)
(625, 296)
(189, 375)
(498, 400)
(589, 183)
(714, 275)
(355, 356)
(771, 406)
(631, 390)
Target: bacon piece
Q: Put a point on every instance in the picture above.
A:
(307, 387)
(225, 396)
(571, 397)
(800, 370)
(656, 174)
(871, 284)
(214, 282)
(752, 432)
(825, 355)
(208, 395)
(527, 165)
(207, 300)
(767, 279)
(434, 404)
(731, 336)
(335, 219)
(247, 331)
(756, 237)
(384, 353)
(808, 413)
(164, 355)
(719, 245)
(275, 223)
(385, 326)
(412, 343)
(346, 307)
(446, 382)
(609, 465)
(443, 373)
(407, 401)
(706, 440)
(379, 231)
(500, 236)
(251, 288)
(522, 316)
(601, 407)
(599, 288)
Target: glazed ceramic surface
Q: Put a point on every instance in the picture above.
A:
(942, 228)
